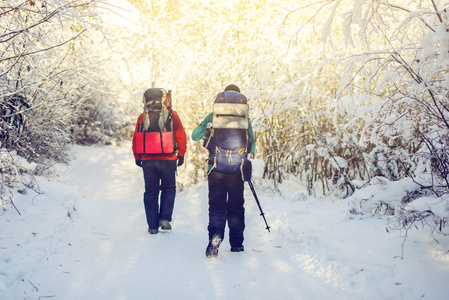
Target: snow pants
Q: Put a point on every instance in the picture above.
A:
(159, 175)
(226, 204)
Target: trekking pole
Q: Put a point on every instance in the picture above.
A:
(258, 204)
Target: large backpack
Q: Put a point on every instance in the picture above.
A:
(228, 140)
(154, 134)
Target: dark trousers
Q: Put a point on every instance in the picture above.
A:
(159, 175)
(226, 204)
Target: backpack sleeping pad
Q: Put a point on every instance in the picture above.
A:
(155, 135)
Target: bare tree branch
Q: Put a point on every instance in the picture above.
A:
(43, 50)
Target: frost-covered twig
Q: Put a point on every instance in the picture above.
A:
(45, 49)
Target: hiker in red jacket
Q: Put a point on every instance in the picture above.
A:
(159, 167)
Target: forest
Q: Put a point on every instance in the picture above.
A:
(342, 92)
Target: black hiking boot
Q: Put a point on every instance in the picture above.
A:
(165, 225)
(212, 247)
(238, 249)
(152, 231)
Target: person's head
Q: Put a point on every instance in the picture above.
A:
(232, 87)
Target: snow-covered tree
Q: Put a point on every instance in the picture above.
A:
(47, 81)
(41, 73)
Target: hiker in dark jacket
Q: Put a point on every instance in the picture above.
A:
(226, 202)
(159, 175)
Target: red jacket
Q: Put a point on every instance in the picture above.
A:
(180, 135)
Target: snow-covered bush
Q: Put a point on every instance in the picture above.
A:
(404, 202)
(47, 71)
(396, 75)
(15, 177)
(98, 121)
(407, 78)
(13, 121)
(39, 69)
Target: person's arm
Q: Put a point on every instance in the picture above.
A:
(251, 135)
(136, 155)
(200, 131)
(180, 134)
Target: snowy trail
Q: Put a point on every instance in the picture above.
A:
(115, 258)
(87, 239)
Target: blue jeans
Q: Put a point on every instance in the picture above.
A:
(159, 175)
(226, 204)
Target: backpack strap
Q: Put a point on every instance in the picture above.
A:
(211, 134)
(213, 166)
(169, 120)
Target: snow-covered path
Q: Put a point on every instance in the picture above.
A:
(114, 257)
(103, 251)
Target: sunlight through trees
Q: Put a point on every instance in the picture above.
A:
(339, 91)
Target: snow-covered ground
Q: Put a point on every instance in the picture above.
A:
(86, 238)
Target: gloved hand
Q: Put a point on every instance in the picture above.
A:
(139, 163)
(180, 160)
